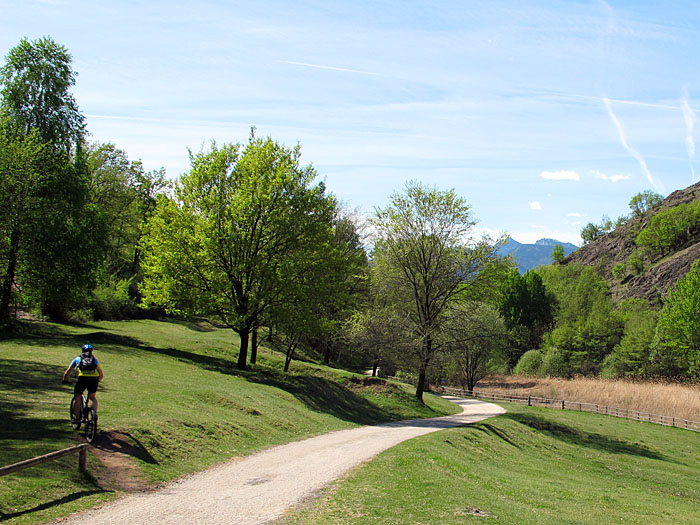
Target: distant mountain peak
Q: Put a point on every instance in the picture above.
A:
(530, 256)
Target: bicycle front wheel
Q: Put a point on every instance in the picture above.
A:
(91, 426)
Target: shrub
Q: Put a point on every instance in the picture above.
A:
(555, 363)
(530, 364)
(619, 271)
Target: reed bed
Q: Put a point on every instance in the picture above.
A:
(680, 400)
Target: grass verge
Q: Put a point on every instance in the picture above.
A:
(532, 465)
(171, 390)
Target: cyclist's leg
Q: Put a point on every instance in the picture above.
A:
(78, 397)
(92, 393)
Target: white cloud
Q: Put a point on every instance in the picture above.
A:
(534, 205)
(611, 178)
(560, 175)
(574, 214)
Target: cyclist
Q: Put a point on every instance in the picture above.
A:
(89, 376)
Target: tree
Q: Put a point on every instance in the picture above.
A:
(644, 201)
(558, 253)
(591, 232)
(586, 325)
(36, 81)
(423, 240)
(677, 338)
(528, 311)
(237, 231)
(49, 224)
(476, 336)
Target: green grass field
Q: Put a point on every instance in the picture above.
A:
(532, 465)
(172, 388)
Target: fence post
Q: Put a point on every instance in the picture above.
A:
(562, 404)
(528, 401)
(82, 459)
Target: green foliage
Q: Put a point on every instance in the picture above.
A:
(636, 261)
(670, 229)
(644, 201)
(590, 232)
(428, 260)
(677, 339)
(558, 253)
(555, 363)
(242, 236)
(528, 310)
(587, 327)
(619, 271)
(50, 234)
(631, 356)
(36, 81)
(530, 363)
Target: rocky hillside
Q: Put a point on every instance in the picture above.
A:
(615, 248)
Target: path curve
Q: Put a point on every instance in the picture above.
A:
(260, 488)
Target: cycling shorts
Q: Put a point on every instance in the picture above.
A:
(84, 382)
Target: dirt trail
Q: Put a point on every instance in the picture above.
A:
(261, 487)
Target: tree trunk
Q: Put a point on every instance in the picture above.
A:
(326, 353)
(6, 291)
(420, 387)
(254, 346)
(288, 359)
(374, 368)
(243, 354)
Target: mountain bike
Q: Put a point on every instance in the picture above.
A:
(87, 418)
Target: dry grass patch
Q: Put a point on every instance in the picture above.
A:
(663, 398)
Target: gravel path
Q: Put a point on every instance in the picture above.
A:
(261, 487)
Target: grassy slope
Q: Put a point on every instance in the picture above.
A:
(532, 465)
(173, 388)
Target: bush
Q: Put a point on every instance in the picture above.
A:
(619, 271)
(530, 364)
(636, 262)
(555, 363)
(111, 300)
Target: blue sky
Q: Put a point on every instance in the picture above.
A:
(543, 115)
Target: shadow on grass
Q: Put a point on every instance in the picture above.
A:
(44, 506)
(580, 437)
(490, 429)
(317, 393)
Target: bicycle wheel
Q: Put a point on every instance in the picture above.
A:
(91, 426)
(75, 423)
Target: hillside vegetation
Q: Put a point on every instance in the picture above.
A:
(670, 242)
(172, 399)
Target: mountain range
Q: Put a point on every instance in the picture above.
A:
(530, 256)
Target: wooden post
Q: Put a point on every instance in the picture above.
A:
(82, 459)
(529, 402)
(562, 404)
(43, 459)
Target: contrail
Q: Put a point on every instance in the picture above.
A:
(329, 68)
(690, 118)
(638, 156)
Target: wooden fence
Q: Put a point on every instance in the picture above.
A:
(80, 449)
(579, 406)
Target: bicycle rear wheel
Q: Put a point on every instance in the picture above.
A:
(91, 426)
(75, 423)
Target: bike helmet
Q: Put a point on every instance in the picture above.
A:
(87, 348)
